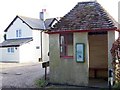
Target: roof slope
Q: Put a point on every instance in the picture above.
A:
(48, 22)
(34, 23)
(15, 42)
(85, 16)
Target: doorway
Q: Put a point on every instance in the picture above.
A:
(98, 58)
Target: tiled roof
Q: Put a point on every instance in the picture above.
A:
(15, 42)
(85, 16)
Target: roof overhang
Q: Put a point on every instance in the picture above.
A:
(9, 46)
(93, 30)
(14, 42)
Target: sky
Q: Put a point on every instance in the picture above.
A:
(54, 8)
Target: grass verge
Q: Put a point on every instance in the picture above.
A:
(41, 83)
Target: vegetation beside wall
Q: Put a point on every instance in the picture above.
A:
(41, 82)
(117, 85)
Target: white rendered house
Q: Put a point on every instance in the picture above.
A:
(26, 40)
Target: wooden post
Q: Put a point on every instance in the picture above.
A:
(45, 65)
(45, 73)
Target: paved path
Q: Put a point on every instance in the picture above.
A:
(20, 75)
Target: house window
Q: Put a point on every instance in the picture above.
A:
(37, 47)
(8, 50)
(66, 45)
(11, 50)
(18, 33)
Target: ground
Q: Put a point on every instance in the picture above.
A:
(14, 75)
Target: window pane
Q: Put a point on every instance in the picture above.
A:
(66, 45)
(37, 47)
(62, 41)
(16, 33)
(20, 33)
(8, 49)
(12, 50)
(63, 51)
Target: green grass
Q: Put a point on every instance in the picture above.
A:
(117, 85)
(41, 83)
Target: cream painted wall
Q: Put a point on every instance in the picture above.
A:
(82, 69)
(111, 39)
(18, 24)
(55, 62)
(112, 36)
(67, 70)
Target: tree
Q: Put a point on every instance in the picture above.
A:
(115, 51)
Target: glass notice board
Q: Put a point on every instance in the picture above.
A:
(80, 52)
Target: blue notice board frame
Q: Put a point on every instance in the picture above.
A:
(80, 52)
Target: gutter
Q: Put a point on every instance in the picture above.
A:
(41, 46)
(71, 31)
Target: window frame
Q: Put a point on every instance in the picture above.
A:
(10, 50)
(65, 45)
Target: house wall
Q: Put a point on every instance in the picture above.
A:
(0, 54)
(31, 52)
(9, 57)
(45, 46)
(1, 37)
(26, 53)
(36, 43)
(68, 71)
(18, 24)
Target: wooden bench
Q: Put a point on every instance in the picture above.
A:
(95, 70)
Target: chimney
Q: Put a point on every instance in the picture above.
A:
(42, 14)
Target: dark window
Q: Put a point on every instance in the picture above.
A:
(66, 44)
(18, 33)
(10, 50)
(37, 47)
(4, 36)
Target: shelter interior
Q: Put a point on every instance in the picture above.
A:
(98, 56)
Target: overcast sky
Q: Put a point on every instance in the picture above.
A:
(54, 8)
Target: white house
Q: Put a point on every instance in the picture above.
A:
(26, 40)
